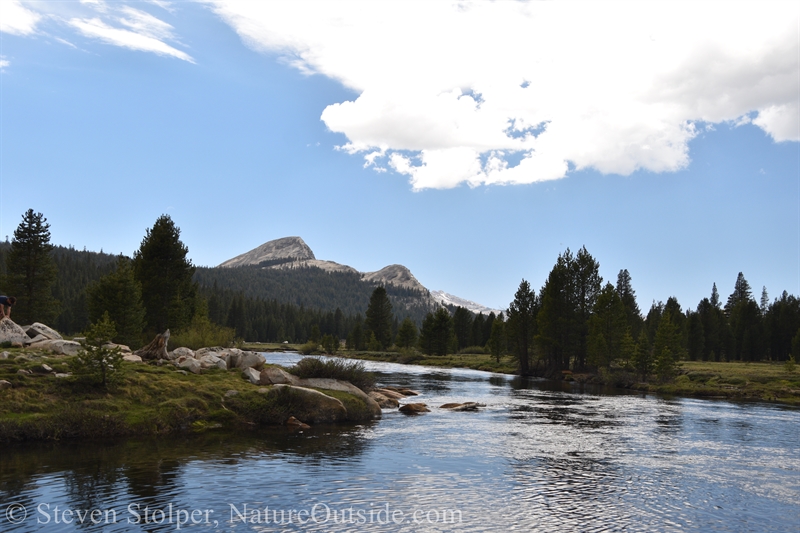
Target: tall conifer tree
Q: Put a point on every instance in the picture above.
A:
(31, 270)
(379, 317)
(164, 271)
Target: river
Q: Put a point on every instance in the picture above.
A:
(541, 456)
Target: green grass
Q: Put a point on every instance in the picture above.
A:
(149, 400)
(473, 361)
(755, 381)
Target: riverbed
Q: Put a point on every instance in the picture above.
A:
(540, 456)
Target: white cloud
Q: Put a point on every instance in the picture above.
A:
(3, 63)
(142, 39)
(16, 19)
(448, 92)
(112, 23)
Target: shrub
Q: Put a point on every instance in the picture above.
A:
(202, 333)
(308, 348)
(341, 369)
(97, 362)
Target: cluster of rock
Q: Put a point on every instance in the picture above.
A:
(36, 336)
(389, 397)
(215, 357)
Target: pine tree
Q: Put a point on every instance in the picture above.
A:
(521, 325)
(462, 325)
(164, 271)
(628, 297)
(607, 329)
(667, 349)
(379, 317)
(741, 292)
(31, 270)
(497, 339)
(437, 333)
(119, 295)
(714, 296)
(407, 334)
(642, 360)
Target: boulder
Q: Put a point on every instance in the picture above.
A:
(131, 358)
(157, 349)
(231, 392)
(4, 384)
(178, 352)
(58, 347)
(37, 338)
(250, 360)
(203, 351)
(295, 423)
(62, 374)
(384, 401)
(210, 360)
(321, 408)
(40, 329)
(5, 355)
(389, 393)
(11, 332)
(43, 369)
(414, 408)
(253, 375)
(343, 386)
(191, 364)
(121, 347)
(272, 375)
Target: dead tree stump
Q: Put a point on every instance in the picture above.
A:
(157, 349)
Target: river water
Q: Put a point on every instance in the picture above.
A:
(541, 456)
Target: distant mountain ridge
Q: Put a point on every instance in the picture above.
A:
(294, 253)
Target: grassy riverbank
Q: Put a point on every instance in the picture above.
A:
(148, 400)
(771, 382)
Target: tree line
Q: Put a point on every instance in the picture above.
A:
(575, 323)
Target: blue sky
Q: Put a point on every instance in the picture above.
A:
(471, 142)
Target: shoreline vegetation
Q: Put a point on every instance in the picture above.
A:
(774, 382)
(41, 401)
(158, 399)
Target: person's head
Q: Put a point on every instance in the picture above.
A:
(11, 300)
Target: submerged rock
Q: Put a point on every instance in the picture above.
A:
(466, 406)
(414, 408)
(384, 401)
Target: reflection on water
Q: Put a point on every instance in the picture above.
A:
(540, 456)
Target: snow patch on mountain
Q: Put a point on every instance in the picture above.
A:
(448, 299)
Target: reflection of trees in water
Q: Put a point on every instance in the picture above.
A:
(97, 473)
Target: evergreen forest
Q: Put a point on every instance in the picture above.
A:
(574, 323)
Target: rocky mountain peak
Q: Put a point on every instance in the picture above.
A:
(285, 248)
(395, 275)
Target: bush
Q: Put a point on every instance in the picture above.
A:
(308, 348)
(98, 363)
(341, 369)
(202, 333)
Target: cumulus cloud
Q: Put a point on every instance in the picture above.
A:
(3, 63)
(16, 19)
(455, 92)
